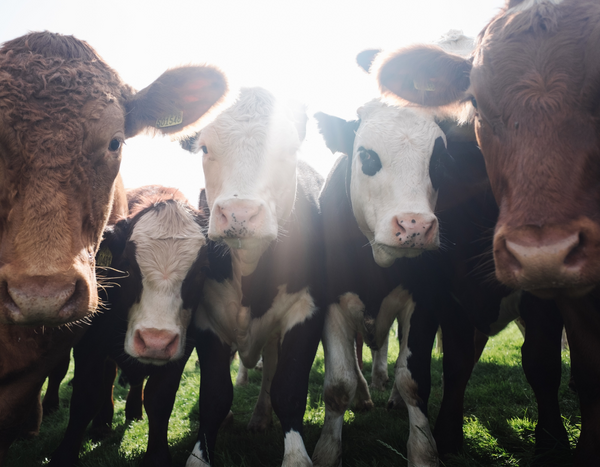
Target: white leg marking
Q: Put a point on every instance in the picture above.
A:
(196, 459)
(341, 371)
(379, 372)
(421, 447)
(295, 454)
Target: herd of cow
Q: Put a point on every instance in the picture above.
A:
(495, 143)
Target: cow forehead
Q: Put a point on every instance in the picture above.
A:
(396, 132)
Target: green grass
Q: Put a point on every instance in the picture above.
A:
(499, 420)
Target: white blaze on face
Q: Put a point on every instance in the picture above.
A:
(249, 161)
(167, 241)
(393, 198)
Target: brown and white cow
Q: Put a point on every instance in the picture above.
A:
(534, 83)
(64, 115)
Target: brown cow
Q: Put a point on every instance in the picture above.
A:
(534, 83)
(64, 114)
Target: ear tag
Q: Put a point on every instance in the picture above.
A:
(429, 86)
(104, 257)
(170, 120)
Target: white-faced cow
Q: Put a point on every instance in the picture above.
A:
(160, 255)
(64, 115)
(534, 81)
(391, 147)
(263, 205)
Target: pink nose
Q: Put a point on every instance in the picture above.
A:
(416, 230)
(155, 344)
(239, 217)
(43, 299)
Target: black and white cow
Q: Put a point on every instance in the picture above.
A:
(158, 258)
(394, 155)
(263, 206)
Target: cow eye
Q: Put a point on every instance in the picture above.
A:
(474, 102)
(371, 164)
(114, 145)
(204, 149)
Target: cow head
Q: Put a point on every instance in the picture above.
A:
(534, 83)
(160, 248)
(64, 115)
(249, 160)
(398, 157)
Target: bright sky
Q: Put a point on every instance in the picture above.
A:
(303, 50)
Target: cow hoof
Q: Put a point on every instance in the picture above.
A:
(260, 424)
(396, 404)
(378, 385)
(363, 406)
(100, 433)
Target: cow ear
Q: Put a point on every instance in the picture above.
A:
(338, 133)
(203, 203)
(177, 99)
(366, 57)
(189, 143)
(113, 244)
(425, 75)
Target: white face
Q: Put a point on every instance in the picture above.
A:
(167, 242)
(249, 160)
(393, 198)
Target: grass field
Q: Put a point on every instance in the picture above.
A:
(499, 420)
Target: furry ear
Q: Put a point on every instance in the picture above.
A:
(189, 143)
(203, 203)
(424, 75)
(177, 99)
(338, 133)
(113, 244)
(366, 57)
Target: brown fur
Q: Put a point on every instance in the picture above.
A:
(61, 106)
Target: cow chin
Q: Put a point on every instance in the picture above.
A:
(385, 255)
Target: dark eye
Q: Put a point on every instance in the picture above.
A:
(474, 102)
(114, 145)
(371, 164)
(204, 149)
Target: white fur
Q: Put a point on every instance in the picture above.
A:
(528, 4)
(295, 454)
(403, 138)
(196, 459)
(251, 158)
(167, 242)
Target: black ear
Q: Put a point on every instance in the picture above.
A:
(189, 143)
(203, 203)
(366, 57)
(441, 165)
(113, 244)
(338, 133)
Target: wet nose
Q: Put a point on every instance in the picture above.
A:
(238, 217)
(416, 230)
(155, 344)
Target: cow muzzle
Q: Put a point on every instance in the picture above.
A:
(156, 346)
(45, 300)
(236, 221)
(549, 260)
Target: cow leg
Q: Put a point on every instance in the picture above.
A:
(102, 423)
(359, 349)
(342, 375)
(216, 396)
(262, 417)
(413, 379)
(458, 363)
(582, 321)
(290, 385)
(86, 400)
(135, 400)
(159, 398)
(541, 362)
(480, 341)
(379, 371)
(242, 375)
(51, 401)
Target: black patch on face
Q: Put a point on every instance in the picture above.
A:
(440, 163)
(371, 164)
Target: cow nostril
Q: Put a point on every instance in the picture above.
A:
(510, 258)
(400, 230)
(576, 256)
(172, 346)
(138, 342)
